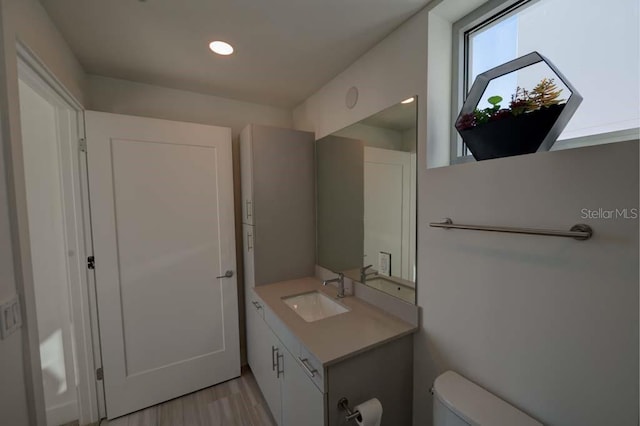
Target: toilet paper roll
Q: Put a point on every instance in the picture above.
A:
(370, 413)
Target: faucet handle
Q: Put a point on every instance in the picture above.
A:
(364, 268)
(340, 279)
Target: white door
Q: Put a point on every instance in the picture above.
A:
(162, 215)
(387, 209)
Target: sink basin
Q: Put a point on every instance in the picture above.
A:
(314, 306)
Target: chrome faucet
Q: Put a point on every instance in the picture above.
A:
(340, 281)
(364, 274)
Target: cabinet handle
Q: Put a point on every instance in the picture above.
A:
(279, 372)
(249, 241)
(310, 370)
(248, 208)
(274, 361)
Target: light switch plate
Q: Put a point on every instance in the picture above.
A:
(10, 317)
(384, 263)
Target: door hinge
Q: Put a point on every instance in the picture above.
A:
(99, 374)
(82, 145)
(91, 262)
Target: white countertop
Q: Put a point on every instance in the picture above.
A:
(338, 337)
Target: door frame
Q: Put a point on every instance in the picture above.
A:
(87, 355)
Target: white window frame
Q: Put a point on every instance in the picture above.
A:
(488, 12)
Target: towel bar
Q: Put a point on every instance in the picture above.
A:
(580, 231)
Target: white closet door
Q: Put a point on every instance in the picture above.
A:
(162, 214)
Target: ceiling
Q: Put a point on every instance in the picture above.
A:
(285, 49)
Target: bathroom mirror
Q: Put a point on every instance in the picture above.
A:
(366, 200)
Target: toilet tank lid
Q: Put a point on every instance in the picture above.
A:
(475, 405)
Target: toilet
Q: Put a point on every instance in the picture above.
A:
(459, 402)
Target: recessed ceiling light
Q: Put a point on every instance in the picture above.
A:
(408, 101)
(221, 48)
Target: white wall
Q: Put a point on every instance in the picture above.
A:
(438, 103)
(375, 137)
(33, 27)
(27, 21)
(550, 325)
(409, 140)
(381, 83)
(13, 397)
(126, 97)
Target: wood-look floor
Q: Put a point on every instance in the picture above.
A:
(237, 402)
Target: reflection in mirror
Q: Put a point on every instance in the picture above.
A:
(366, 189)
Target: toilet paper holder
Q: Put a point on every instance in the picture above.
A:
(343, 404)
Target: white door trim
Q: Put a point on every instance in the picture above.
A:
(31, 60)
(34, 73)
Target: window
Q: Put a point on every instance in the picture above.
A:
(595, 44)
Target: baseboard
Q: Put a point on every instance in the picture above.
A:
(63, 414)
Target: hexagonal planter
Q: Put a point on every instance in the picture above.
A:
(515, 131)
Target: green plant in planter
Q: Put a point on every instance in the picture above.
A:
(484, 115)
(521, 102)
(528, 121)
(544, 95)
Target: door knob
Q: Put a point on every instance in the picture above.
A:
(227, 274)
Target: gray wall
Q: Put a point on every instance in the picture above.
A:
(550, 325)
(340, 203)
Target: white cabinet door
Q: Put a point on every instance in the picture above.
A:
(248, 243)
(263, 352)
(162, 215)
(302, 401)
(246, 174)
(254, 319)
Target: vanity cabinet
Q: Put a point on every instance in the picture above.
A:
(302, 401)
(248, 247)
(278, 203)
(300, 390)
(263, 356)
(291, 394)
